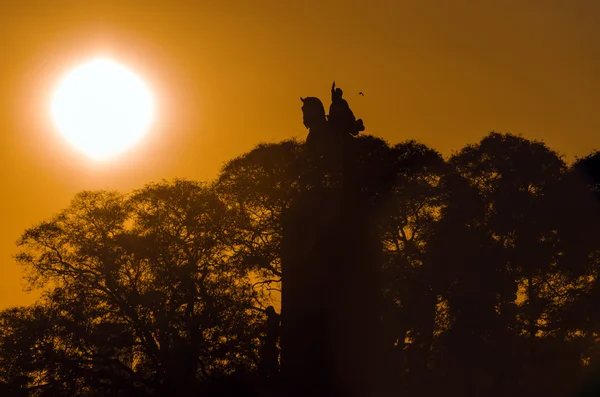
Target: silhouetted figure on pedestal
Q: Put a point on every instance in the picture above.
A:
(341, 118)
(269, 354)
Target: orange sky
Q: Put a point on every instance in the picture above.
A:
(228, 74)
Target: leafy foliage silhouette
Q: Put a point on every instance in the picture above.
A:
(141, 294)
(487, 276)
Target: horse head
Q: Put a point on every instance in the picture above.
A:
(313, 112)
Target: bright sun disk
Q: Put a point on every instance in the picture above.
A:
(102, 108)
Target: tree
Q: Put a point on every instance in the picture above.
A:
(481, 271)
(410, 291)
(513, 273)
(258, 186)
(143, 289)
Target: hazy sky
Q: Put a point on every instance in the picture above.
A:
(229, 74)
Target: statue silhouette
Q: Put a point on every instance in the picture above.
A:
(328, 133)
(314, 118)
(269, 355)
(328, 247)
(341, 118)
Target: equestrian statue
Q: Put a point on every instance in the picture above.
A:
(329, 248)
(327, 132)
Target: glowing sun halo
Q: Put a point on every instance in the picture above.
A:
(102, 108)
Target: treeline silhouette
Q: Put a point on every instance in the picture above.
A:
(488, 277)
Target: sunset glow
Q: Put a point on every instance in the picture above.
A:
(102, 108)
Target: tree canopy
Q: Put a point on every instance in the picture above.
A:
(489, 274)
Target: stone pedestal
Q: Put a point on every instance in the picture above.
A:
(330, 293)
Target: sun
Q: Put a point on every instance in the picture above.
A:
(102, 108)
